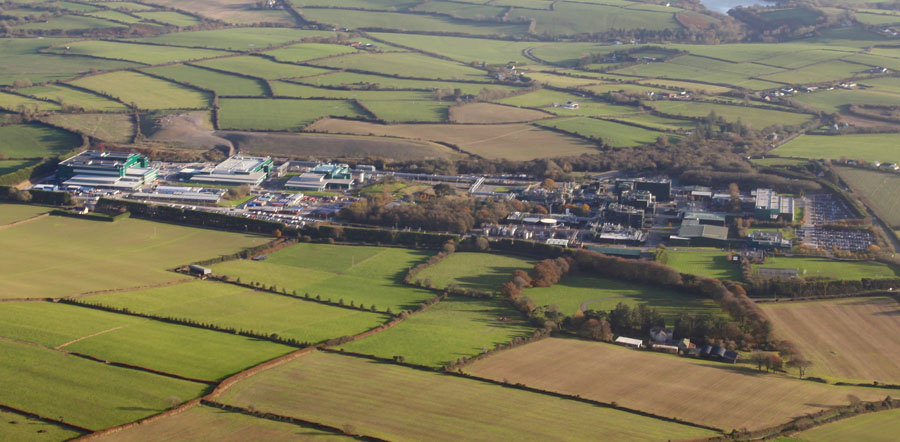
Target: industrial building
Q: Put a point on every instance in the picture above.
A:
(641, 199)
(235, 171)
(106, 170)
(770, 206)
(324, 176)
(661, 188)
(695, 234)
(188, 195)
(624, 215)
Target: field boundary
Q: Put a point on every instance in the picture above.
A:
(26, 220)
(130, 289)
(49, 420)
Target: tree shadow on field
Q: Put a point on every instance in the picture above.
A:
(737, 369)
(491, 278)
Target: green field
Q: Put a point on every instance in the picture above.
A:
(776, 161)
(708, 263)
(689, 67)
(281, 114)
(116, 16)
(68, 254)
(352, 80)
(604, 294)
(873, 186)
(454, 328)
(209, 424)
(408, 22)
(823, 267)
(146, 92)
(399, 403)
(223, 84)
(462, 49)
(236, 39)
(839, 99)
(297, 90)
(139, 53)
(570, 18)
(82, 392)
(756, 118)
(479, 271)
(409, 111)
(405, 64)
(169, 17)
(261, 67)
(236, 307)
(309, 51)
(880, 426)
(611, 133)
(186, 351)
(35, 141)
(114, 128)
(9, 166)
(364, 275)
(10, 213)
(21, 61)
(18, 427)
(545, 99)
(69, 23)
(66, 95)
(868, 147)
(18, 103)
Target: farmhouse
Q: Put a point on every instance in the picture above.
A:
(234, 171)
(108, 170)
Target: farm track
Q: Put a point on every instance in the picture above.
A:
(60, 347)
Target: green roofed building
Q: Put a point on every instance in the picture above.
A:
(97, 162)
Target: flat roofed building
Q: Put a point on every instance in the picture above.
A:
(97, 162)
(702, 234)
(235, 171)
(706, 218)
(771, 206)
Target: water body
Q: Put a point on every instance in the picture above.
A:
(724, 5)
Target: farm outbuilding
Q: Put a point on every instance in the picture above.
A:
(199, 270)
(630, 342)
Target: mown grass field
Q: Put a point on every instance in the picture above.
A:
(243, 309)
(186, 351)
(9, 166)
(479, 271)
(462, 49)
(310, 51)
(493, 113)
(261, 67)
(16, 103)
(82, 392)
(58, 257)
(18, 427)
(223, 84)
(844, 338)
(881, 426)
(364, 275)
(452, 329)
(839, 99)
(709, 393)
(69, 23)
(869, 147)
(10, 213)
(285, 115)
(35, 141)
(873, 186)
(815, 267)
(114, 128)
(210, 424)
(66, 95)
(709, 263)
(353, 80)
(138, 53)
(409, 22)
(21, 61)
(236, 39)
(756, 118)
(689, 67)
(170, 18)
(393, 402)
(611, 133)
(520, 142)
(404, 64)
(145, 91)
(604, 294)
(298, 90)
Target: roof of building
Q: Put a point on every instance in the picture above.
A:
(252, 178)
(239, 164)
(615, 251)
(629, 341)
(692, 230)
(705, 216)
(99, 158)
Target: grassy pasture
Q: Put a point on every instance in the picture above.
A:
(871, 147)
(21, 428)
(67, 253)
(660, 123)
(297, 90)
(15, 103)
(462, 49)
(116, 16)
(223, 84)
(169, 17)
(127, 6)
(872, 427)
(838, 100)
(454, 328)
(293, 144)
(404, 64)
(520, 142)
(229, 11)
(545, 98)
(114, 128)
(564, 81)
(393, 402)
(310, 51)
(612, 133)
(364, 275)
(64, 94)
(757, 118)
(235, 39)
(354, 19)
(353, 80)
(21, 60)
(820, 72)
(568, 54)
(209, 424)
(82, 392)
(69, 23)
(604, 294)
(569, 18)
(10, 213)
(35, 141)
(689, 67)
(873, 186)
(261, 67)
(686, 85)
(409, 111)
(138, 53)
(232, 306)
(665, 385)
(708, 263)
(287, 115)
(9, 166)
(842, 338)
(493, 113)
(834, 269)
(776, 161)
(186, 351)
(145, 91)
(469, 11)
